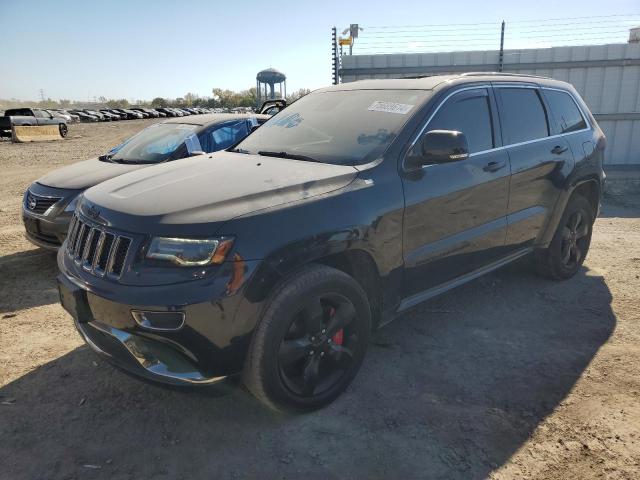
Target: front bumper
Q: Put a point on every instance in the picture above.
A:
(48, 229)
(46, 232)
(143, 357)
(210, 345)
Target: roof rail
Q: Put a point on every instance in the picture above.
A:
(415, 77)
(501, 74)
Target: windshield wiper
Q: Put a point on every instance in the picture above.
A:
(292, 156)
(106, 158)
(127, 162)
(240, 150)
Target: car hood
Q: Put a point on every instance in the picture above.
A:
(215, 188)
(86, 174)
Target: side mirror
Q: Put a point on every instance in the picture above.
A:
(438, 146)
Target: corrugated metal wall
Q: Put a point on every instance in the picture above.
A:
(607, 77)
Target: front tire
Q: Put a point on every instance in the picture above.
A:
(63, 130)
(310, 342)
(570, 244)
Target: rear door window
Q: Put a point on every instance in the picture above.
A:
(221, 137)
(565, 111)
(467, 112)
(522, 115)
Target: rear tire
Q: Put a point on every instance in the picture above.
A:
(570, 244)
(63, 130)
(310, 342)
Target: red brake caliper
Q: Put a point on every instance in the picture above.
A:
(338, 337)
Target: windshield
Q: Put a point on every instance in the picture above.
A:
(348, 127)
(158, 143)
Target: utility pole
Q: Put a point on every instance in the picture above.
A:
(501, 56)
(334, 56)
(42, 94)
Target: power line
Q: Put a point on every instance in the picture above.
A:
(600, 24)
(510, 34)
(492, 31)
(596, 18)
(424, 48)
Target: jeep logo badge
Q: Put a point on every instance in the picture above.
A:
(32, 203)
(93, 211)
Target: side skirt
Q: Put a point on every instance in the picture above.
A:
(414, 300)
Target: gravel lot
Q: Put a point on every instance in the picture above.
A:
(510, 376)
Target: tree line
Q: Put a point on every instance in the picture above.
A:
(220, 98)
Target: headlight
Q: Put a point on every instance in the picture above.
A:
(71, 206)
(189, 252)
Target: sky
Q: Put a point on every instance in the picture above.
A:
(139, 49)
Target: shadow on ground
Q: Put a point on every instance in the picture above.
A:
(29, 280)
(450, 390)
(621, 206)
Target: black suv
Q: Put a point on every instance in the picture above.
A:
(350, 206)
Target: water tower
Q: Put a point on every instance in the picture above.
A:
(266, 81)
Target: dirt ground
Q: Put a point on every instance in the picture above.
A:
(510, 376)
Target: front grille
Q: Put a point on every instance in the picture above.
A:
(37, 204)
(97, 250)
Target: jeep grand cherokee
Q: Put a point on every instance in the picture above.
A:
(350, 206)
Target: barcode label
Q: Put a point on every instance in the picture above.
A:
(390, 107)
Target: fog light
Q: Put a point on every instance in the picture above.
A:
(158, 320)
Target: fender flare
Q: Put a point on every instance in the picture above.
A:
(283, 263)
(561, 204)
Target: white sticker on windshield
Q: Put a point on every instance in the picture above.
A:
(390, 107)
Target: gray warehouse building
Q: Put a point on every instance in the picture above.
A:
(607, 77)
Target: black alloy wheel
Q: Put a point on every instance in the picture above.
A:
(574, 240)
(310, 340)
(319, 346)
(565, 254)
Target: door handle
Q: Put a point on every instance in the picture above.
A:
(494, 166)
(558, 149)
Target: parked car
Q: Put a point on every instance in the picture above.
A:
(50, 201)
(146, 111)
(66, 116)
(101, 116)
(111, 115)
(167, 111)
(271, 107)
(122, 115)
(355, 203)
(138, 114)
(30, 117)
(85, 117)
(74, 118)
(131, 115)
